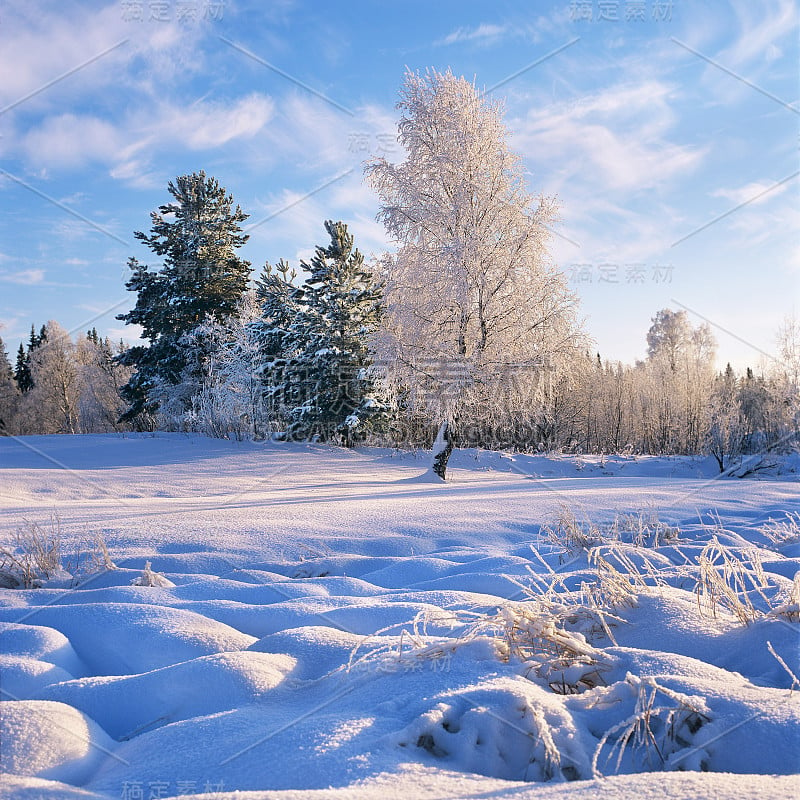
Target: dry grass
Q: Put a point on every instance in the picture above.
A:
(782, 532)
(654, 731)
(152, 579)
(730, 581)
(571, 535)
(33, 557)
(36, 555)
(790, 610)
(643, 529)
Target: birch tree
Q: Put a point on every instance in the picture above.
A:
(9, 393)
(474, 306)
(52, 404)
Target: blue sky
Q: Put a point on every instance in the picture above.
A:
(668, 131)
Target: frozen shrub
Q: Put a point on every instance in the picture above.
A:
(643, 529)
(570, 534)
(790, 610)
(152, 579)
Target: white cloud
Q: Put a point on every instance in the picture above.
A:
(298, 222)
(761, 26)
(130, 334)
(71, 140)
(485, 32)
(137, 173)
(25, 277)
(765, 228)
(204, 126)
(45, 53)
(753, 193)
(614, 140)
(127, 145)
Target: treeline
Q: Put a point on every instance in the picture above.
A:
(58, 385)
(675, 400)
(303, 380)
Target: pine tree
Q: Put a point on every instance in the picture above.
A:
(333, 385)
(22, 370)
(197, 236)
(281, 301)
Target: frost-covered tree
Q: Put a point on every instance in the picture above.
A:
(474, 307)
(9, 393)
(197, 237)
(101, 379)
(727, 424)
(280, 300)
(678, 378)
(669, 337)
(333, 389)
(51, 405)
(789, 350)
(231, 401)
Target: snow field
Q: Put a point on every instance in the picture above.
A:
(337, 628)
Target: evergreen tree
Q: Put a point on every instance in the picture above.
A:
(331, 379)
(197, 236)
(281, 302)
(22, 370)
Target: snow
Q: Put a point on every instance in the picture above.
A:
(331, 626)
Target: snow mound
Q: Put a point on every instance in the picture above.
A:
(130, 705)
(318, 650)
(505, 729)
(123, 638)
(334, 631)
(24, 678)
(426, 783)
(42, 643)
(21, 788)
(51, 740)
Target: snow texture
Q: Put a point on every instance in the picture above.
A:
(331, 626)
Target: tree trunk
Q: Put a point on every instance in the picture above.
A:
(442, 448)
